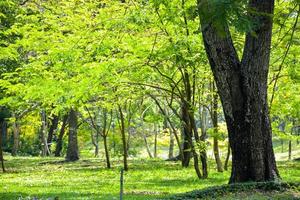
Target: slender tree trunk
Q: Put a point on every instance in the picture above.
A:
(122, 127)
(215, 124)
(188, 126)
(4, 133)
(16, 136)
(290, 150)
(53, 127)
(227, 158)
(171, 146)
(59, 141)
(282, 150)
(45, 150)
(242, 86)
(179, 143)
(147, 146)
(72, 151)
(2, 124)
(106, 152)
(155, 141)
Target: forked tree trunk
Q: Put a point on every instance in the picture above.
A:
(72, 150)
(242, 86)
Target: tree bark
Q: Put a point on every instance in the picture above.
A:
(242, 86)
(59, 141)
(72, 151)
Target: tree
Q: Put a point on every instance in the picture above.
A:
(72, 151)
(242, 86)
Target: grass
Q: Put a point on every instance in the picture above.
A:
(50, 178)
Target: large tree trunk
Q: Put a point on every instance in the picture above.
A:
(72, 151)
(59, 141)
(53, 127)
(242, 86)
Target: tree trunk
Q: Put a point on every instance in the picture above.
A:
(227, 158)
(4, 133)
(59, 141)
(16, 136)
(122, 127)
(72, 151)
(45, 150)
(53, 127)
(242, 86)
(290, 150)
(147, 146)
(215, 124)
(188, 126)
(2, 123)
(155, 141)
(106, 152)
(171, 146)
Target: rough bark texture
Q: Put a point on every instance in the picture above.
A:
(72, 151)
(242, 86)
(59, 141)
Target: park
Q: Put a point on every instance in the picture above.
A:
(149, 99)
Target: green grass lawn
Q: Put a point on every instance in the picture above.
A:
(48, 178)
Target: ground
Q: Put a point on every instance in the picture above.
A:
(50, 178)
